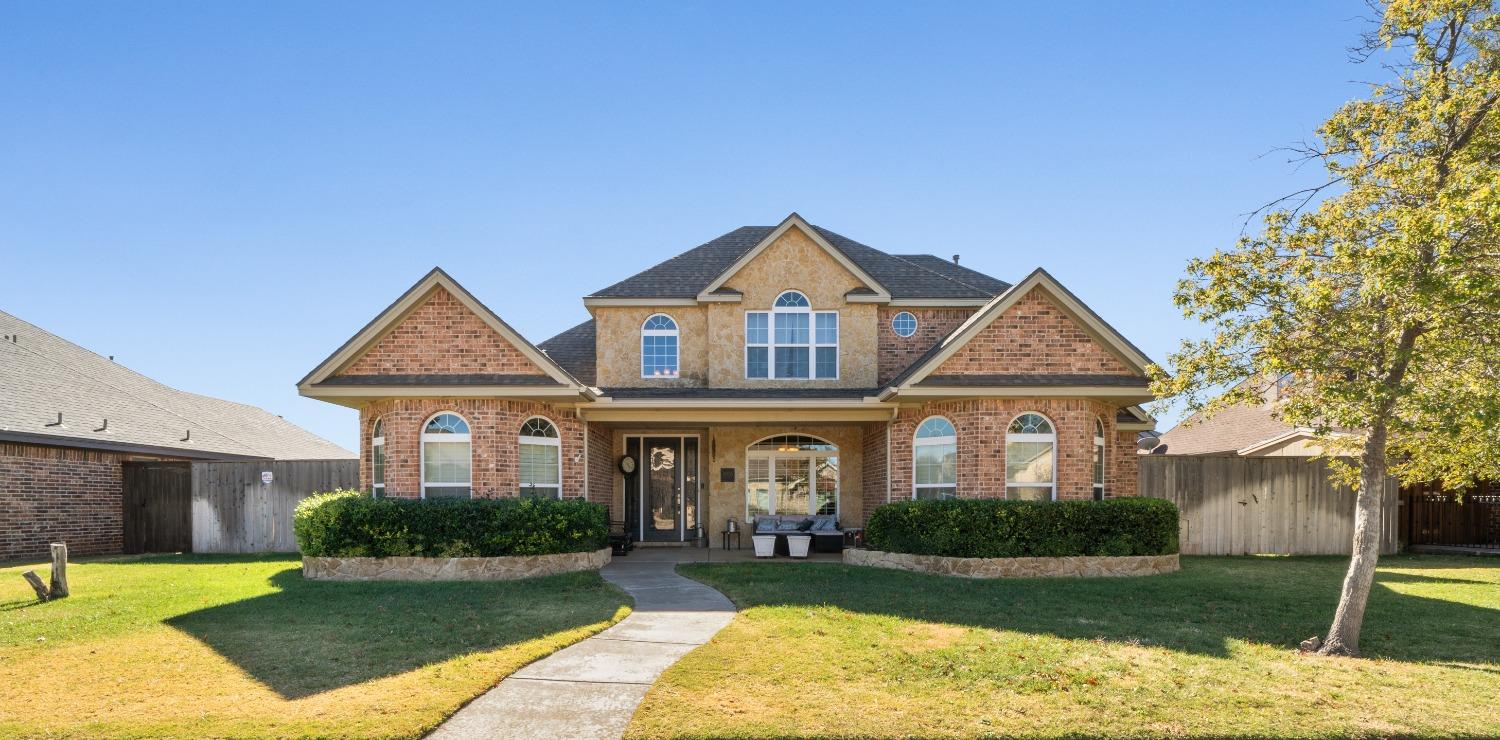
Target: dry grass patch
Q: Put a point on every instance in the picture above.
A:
(195, 646)
(830, 650)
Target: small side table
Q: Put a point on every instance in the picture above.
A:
(854, 537)
(725, 534)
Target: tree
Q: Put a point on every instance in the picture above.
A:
(1373, 299)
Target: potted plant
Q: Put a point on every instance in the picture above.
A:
(797, 544)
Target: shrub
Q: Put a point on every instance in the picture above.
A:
(352, 524)
(986, 528)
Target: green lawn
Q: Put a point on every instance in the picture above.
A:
(832, 650)
(195, 646)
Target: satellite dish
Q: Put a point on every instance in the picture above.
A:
(1147, 442)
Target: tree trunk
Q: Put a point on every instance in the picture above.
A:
(59, 570)
(1343, 636)
(36, 584)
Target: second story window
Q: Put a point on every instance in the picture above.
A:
(792, 340)
(659, 347)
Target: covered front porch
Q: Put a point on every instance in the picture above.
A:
(674, 484)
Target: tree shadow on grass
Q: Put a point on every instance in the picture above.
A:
(1202, 609)
(315, 636)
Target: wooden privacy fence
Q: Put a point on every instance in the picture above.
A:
(1233, 505)
(234, 510)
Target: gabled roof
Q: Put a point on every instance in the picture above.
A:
(574, 350)
(877, 290)
(919, 371)
(44, 375)
(695, 272)
(556, 376)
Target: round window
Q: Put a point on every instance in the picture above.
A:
(904, 324)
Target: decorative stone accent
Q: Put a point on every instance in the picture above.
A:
(1083, 566)
(508, 568)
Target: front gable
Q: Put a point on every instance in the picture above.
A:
(792, 261)
(437, 340)
(1034, 335)
(441, 336)
(795, 252)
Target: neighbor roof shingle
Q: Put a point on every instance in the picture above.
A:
(44, 375)
(911, 276)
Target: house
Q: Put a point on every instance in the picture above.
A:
(772, 370)
(1247, 430)
(78, 429)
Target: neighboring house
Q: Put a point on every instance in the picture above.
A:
(1248, 430)
(775, 369)
(72, 423)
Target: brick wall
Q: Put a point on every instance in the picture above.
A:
(873, 478)
(896, 353)
(981, 425)
(1032, 336)
(441, 336)
(494, 429)
(601, 467)
(55, 494)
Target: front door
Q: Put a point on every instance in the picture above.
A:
(668, 477)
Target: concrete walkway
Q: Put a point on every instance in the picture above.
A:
(591, 689)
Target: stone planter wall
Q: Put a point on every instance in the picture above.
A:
(1080, 566)
(507, 568)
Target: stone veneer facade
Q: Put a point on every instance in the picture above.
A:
(507, 568)
(1082, 566)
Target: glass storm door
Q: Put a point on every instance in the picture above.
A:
(669, 488)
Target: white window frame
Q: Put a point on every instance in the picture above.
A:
(426, 437)
(1022, 437)
(812, 345)
(522, 440)
(915, 325)
(377, 449)
(811, 456)
(929, 442)
(674, 332)
(1101, 460)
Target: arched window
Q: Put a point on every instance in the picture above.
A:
(935, 460)
(792, 340)
(659, 347)
(377, 459)
(1031, 458)
(1098, 460)
(446, 458)
(541, 459)
(904, 324)
(791, 474)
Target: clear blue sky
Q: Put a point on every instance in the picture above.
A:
(220, 194)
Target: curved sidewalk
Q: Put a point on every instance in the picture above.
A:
(592, 688)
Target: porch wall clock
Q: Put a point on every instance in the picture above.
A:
(627, 464)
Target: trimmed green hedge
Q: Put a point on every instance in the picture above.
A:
(352, 524)
(986, 528)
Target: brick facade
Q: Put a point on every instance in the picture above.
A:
(1033, 336)
(896, 353)
(441, 336)
(494, 429)
(981, 426)
(56, 494)
(874, 475)
(601, 468)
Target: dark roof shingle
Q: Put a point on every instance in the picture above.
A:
(573, 349)
(911, 276)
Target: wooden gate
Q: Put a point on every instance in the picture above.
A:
(157, 507)
(247, 506)
(1436, 517)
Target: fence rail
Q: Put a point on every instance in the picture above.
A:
(1233, 505)
(235, 511)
